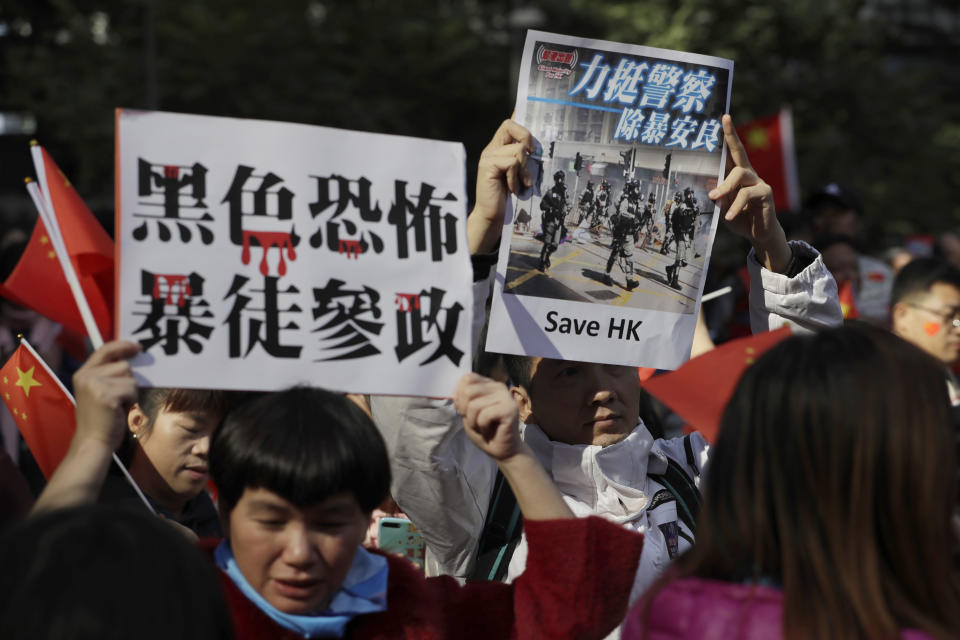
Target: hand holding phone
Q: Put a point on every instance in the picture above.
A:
(400, 536)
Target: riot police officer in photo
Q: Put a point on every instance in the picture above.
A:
(586, 202)
(668, 212)
(600, 204)
(554, 208)
(684, 220)
(625, 226)
(631, 193)
(646, 218)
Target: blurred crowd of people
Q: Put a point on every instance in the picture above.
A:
(550, 500)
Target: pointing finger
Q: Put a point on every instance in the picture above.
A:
(737, 152)
(739, 177)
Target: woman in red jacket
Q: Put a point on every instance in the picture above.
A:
(827, 509)
(298, 474)
(300, 471)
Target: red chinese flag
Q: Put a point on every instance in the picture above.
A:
(700, 389)
(848, 305)
(41, 407)
(37, 282)
(769, 145)
(645, 373)
(89, 246)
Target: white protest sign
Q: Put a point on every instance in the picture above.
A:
(258, 255)
(605, 259)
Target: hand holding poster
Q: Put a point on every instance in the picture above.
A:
(604, 260)
(258, 255)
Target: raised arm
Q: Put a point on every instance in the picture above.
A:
(491, 421)
(439, 479)
(502, 169)
(788, 281)
(746, 203)
(105, 388)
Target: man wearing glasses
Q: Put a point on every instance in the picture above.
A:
(925, 308)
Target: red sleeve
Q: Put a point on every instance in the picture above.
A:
(578, 578)
(576, 585)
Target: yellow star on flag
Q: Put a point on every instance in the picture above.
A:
(23, 416)
(51, 254)
(5, 381)
(758, 138)
(44, 239)
(26, 380)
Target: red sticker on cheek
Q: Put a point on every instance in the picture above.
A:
(932, 328)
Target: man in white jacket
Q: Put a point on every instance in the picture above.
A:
(581, 419)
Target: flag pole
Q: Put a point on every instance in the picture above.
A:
(116, 458)
(94, 332)
(707, 297)
(56, 239)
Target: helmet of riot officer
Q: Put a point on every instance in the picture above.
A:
(558, 177)
(651, 198)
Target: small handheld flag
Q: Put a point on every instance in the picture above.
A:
(44, 411)
(79, 241)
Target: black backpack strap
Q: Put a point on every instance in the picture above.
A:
(678, 483)
(501, 534)
(688, 451)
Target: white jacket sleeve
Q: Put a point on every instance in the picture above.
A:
(807, 301)
(440, 479)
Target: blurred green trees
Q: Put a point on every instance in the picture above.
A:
(874, 89)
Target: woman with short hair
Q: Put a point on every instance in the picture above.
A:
(299, 472)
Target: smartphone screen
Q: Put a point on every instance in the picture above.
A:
(400, 536)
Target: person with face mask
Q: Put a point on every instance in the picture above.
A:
(299, 472)
(580, 418)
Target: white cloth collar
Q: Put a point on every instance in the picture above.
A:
(611, 480)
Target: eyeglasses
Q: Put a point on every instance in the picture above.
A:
(951, 317)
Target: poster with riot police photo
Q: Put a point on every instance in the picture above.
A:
(605, 258)
(259, 255)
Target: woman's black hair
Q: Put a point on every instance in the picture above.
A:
(106, 573)
(151, 400)
(303, 444)
(834, 474)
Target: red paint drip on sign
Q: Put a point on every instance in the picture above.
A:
(407, 301)
(268, 240)
(352, 248)
(175, 282)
